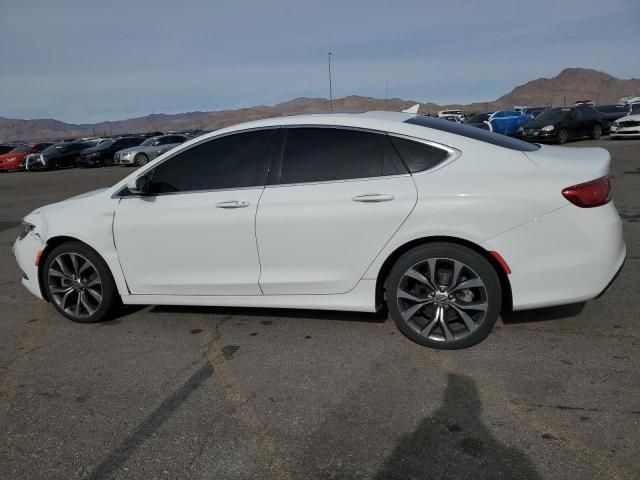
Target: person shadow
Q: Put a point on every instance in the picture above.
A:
(454, 444)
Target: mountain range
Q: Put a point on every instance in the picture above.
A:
(570, 85)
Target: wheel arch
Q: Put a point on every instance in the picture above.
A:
(54, 242)
(383, 273)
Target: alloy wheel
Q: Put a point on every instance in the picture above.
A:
(75, 285)
(442, 299)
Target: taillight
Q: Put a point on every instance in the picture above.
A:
(590, 194)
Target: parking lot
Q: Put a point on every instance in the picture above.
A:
(173, 392)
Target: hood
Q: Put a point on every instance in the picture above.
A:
(9, 156)
(88, 151)
(87, 194)
(628, 118)
(541, 123)
(138, 148)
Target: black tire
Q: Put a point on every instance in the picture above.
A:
(596, 133)
(563, 136)
(140, 159)
(69, 294)
(449, 330)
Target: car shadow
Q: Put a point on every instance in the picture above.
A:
(378, 317)
(543, 314)
(454, 443)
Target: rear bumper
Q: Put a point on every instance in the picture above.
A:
(567, 256)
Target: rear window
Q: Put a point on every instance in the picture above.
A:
(611, 108)
(474, 133)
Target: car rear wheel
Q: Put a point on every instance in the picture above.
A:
(597, 132)
(79, 284)
(563, 136)
(141, 159)
(444, 296)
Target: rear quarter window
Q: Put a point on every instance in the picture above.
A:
(417, 156)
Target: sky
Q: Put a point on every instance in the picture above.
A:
(89, 61)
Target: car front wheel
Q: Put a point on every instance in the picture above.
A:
(444, 296)
(563, 136)
(79, 284)
(141, 159)
(597, 132)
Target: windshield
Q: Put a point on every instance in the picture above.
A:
(554, 114)
(148, 141)
(478, 118)
(20, 149)
(106, 144)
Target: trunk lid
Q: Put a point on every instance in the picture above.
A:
(577, 165)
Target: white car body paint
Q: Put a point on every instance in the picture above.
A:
(626, 127)
(311, 246)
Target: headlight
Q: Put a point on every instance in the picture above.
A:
(126, 154)
(548, 128)
(25, 229)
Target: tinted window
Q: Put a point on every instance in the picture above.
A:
(418, 156)
(233, 161)
(474, 133)
(324, 154)
(554, 114)
(587, 113)
(611, 108)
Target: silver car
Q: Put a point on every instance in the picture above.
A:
(147, 150)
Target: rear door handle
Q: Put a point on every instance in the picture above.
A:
(373, 197)
(232, 204)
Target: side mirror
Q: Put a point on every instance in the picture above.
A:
(140, 185)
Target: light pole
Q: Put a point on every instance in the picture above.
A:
(330, 87)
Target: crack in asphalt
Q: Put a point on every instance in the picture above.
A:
(118, 456)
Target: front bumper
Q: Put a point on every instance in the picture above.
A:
(535, 135)
(122, 160)
(89, 162)
(625, 132)
(26, 252)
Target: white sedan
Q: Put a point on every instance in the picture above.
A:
(626, 127)
(443, 224)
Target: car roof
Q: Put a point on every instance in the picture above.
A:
(418, 126)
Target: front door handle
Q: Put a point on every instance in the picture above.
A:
(232, 204)
(373, 197)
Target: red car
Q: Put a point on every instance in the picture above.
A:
(13, 160)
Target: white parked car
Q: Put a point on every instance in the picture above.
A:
(444, 224)
(626, 127)
(457, 114)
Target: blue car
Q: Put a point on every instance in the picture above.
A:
(508, 122)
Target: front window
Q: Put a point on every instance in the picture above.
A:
(106, 144)
(478, 118)
(233, 161)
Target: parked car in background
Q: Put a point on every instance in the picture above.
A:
(58, 155)
(6, 147)
(147, 150)
(103, 154)
(563, 123)
(534, 111)
(627, 126)
(13, 160)
(273, 213)
(611, 113)
(479, 120)
(508, 122)
(450, 118)
(458, 114)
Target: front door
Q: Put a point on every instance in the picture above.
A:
(195, 233)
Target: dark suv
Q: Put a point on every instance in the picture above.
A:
(59, 155)
(563, 123)
(102, 155)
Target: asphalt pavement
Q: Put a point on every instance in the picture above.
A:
(240, 393)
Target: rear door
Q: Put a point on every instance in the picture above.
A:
(335, 198)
